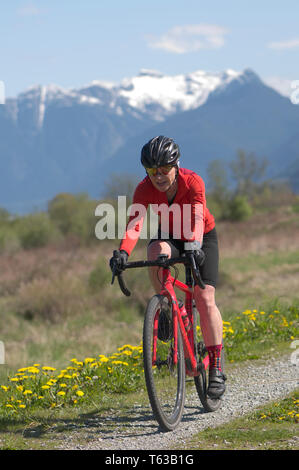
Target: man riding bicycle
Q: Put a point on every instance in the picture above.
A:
(166, 184)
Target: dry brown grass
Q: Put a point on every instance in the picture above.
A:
(273, 231)
(48, 312)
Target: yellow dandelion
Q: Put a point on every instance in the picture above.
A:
(247, 312)
(127, 353)
(22, 406)
(80, 393)
(93, 364)
(4, 388)
(125, 346)
(51, 382)
(88, 360)
(45, 387)
(48, 368)
(62, 393)
(120, 362)
(33, 370)
(104, 359)
(27, 392)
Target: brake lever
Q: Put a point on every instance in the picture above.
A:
(113, 274)
(121, 281)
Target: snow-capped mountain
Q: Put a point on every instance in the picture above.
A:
(53, 139)
(161, 95)
(151, 93)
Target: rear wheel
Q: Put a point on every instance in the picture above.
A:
(165, 379)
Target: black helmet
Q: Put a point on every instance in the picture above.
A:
(159, 151)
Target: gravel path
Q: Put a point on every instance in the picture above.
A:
(134, 429)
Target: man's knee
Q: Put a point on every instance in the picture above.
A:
(157, 248)
(205, 297)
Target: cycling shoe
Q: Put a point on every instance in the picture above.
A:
(216, 386)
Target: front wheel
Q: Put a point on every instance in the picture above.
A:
(164, 376)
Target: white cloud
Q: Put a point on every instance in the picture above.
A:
(190, 38)
(29, 9)
(282, 45)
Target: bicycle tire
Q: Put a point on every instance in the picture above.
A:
(165, 381)
(201, 381)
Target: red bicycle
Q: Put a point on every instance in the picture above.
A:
(171, 348)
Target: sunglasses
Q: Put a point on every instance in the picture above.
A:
(162, 169)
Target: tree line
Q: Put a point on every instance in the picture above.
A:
(234, 192)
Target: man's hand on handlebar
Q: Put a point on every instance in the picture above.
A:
(118, 261)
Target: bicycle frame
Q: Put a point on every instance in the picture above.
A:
(167, 290)
(168, 284)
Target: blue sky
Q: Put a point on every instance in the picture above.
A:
(72, 42)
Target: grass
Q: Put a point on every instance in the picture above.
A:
(97, 381)
(271, 427)
(93, 318)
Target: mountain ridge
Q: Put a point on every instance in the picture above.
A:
(55, 140)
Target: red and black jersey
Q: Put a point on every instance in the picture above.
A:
(188, 217)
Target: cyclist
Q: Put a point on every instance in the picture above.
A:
(166, 183)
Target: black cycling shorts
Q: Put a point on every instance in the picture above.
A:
(209, 270)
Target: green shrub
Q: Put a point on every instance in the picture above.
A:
(239, 209)
(50, 299)
(9, 240)
(35, 230)
(99, 276)
(74, 215)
